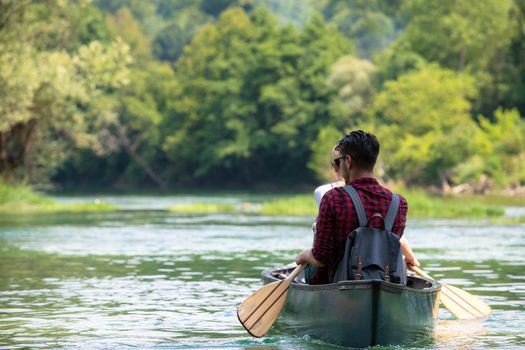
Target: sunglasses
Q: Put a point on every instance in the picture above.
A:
(337, 161)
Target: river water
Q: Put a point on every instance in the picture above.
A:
(143, 277)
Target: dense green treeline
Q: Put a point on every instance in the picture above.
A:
(176, 93)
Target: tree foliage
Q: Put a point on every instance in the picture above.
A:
(253, 95)
(423, 119)
(468, 35)
(48, 97)
(180, 92)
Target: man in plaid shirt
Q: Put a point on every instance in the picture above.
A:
(337, 216)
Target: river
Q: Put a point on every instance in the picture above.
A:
(143, 277)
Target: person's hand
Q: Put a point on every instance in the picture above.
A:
(412, 262)
(304, 257)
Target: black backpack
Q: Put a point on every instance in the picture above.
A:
(372, 253)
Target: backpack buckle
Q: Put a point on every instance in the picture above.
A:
(359, 273)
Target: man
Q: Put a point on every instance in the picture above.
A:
(337, 216)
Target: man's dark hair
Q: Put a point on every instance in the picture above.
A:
(362, 146)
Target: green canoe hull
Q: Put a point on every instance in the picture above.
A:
(360, 313)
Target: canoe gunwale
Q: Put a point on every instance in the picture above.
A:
(361, 284)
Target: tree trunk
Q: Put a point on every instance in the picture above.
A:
(445, 186)
(15, 145)
(27, 143)
(132, 152)
(4, 166)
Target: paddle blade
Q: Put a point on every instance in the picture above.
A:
(462, 304)
(260, 310)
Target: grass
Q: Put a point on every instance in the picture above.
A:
(55, 208)
(20, 195)
(21, 199)
(507, 220)
(203, 208)
(421, 204)
(16, 199)
(296, 205)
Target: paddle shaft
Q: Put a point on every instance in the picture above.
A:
(420, 272)
(294, 273)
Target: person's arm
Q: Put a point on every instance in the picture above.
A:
(324, 240)
(410, 257)
(319, 254)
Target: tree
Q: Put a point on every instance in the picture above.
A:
(124, 25)
(215, 8)
(252, 99)
(469, 35)
(46, 95)
(136, 129)
(320, 162)
(170, 41)
(511, 82)
(504, 150)
(353, 79)
(457, 34)
(372, 24)
(423, 119)
(297, 12)
(145, 12)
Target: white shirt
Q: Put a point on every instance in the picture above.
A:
(321, 190)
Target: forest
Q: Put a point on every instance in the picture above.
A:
(254, 93)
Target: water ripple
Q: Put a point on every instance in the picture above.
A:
(161, 280)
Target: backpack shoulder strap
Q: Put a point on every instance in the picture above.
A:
(361, 214)
(392, 212)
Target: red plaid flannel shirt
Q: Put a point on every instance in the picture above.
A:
(337, 218)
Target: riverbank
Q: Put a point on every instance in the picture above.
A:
(16, 199)
(21, 199)
(421, 204)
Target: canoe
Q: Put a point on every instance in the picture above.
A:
(359, 313)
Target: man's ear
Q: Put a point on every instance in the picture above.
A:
(349, 161)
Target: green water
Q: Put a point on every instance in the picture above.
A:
(146, 278)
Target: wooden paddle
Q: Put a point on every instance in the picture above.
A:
(460, 303)
(260, 310)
